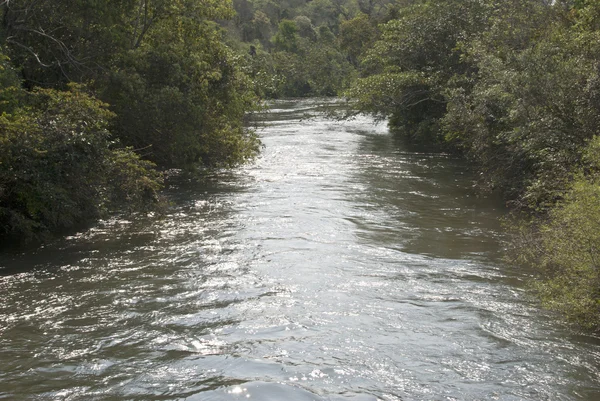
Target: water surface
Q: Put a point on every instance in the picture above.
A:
(341, 265)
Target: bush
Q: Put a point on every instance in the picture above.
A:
(566, 248)
(59, 166)
(183, 103)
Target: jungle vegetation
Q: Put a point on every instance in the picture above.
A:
(97, 96)
(296, 48)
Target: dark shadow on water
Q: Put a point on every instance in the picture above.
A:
(122, 232)
(424, 202)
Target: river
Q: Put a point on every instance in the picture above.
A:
(341, 265)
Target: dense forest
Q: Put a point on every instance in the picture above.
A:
(98, 97)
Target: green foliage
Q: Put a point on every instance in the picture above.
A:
(316, 69)
(182, 97)
(286, 38)
(295, 48)
(62, 41)
(174, 94)
(410, 65)
(527, 115)
(329, 71)
(511, 83)
(357, 36)
(305, 28)
(292, 80)
(259, 67)
(515, 86)
(566, 248)
(300, 60)
(328, 12)
(59, 166)
(177, 90)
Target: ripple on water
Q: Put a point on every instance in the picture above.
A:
(273, 392)
(341, 265)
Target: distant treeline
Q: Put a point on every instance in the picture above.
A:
(300, 48)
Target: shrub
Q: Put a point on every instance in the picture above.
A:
(566, 248)
(59, 166)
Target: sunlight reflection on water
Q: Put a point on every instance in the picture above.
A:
(341, 265)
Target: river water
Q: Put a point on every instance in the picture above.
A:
(341, 265)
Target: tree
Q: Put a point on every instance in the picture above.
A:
(565, 249)
(159, 59)
(528, 113)
(410, 65)
(121, 81)
(356, 37)
(60, 167)
(182, 96)
(286, 38)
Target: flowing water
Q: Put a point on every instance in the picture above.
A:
(341, 265)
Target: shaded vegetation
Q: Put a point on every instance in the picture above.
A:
(97, 95)
(59, 167)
